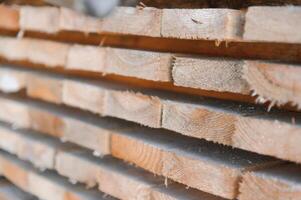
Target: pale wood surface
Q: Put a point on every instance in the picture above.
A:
(44, 88)
(143, 64)
(135, 107)
(45, 185)
(275, 82)
(9, 18)
(216, 74)
(121, 180)
(212, 24)
(276, 183)
(87, 58)
(84, 96)
(265, 24)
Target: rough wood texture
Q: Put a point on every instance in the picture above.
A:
(180, 158)
(142, 64)
(12, 80)
(221, 75)
(265, 24)
(276, 183)
(237, 125)
(120, 180)
(135, 107)
(45, 185)
(212, 24)
(278, 83)
(10, 192)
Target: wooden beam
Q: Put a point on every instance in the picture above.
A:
(176, 160)
(45, 185)
(218, 74)
(275, 183)
(274, 82)
(121, 180)
(206, 24)
(265, 24)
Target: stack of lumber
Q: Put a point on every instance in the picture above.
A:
(167, 100)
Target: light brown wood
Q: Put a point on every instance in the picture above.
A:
(278, 83)
(15, 113)
(142, 64)
(9, 18)
(44, 88)
(12, 80)
(121, 180)
(86, 58)
(136, 107)
(265, 24)
(181, 158)
(198, 121)
(51, 54)
(84, 96)
(212, 24)
(222, 75)
(276, 183)
(46, 185)
(134, 21)
(10, 192)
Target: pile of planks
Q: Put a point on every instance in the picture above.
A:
(181, 100)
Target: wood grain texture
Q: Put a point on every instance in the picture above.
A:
(142, 64)
(265, 24)
(278, 83)
(180, 158)
(210, 74)
(136, 107)
(281, 182)
(45, 185)
(198, 121)
(121, 180)
(210, 24)
(45, 88)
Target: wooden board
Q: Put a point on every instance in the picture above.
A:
(218, 74)
(276, 183)
(155, 152)
(10, 192)
(121, 180)
(278, 83)
(74, 28)
(265, 24)
(45, 185)
(210, 24)
(199, 118)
